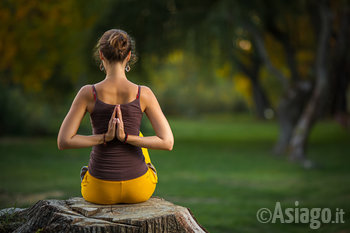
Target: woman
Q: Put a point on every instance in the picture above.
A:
(119, 170)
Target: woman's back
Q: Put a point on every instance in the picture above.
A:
(116, 93)
(116, 160)
(117, 171)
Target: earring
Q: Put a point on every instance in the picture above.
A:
(127, 68)
(102, 68)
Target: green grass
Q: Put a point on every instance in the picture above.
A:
(220, 167)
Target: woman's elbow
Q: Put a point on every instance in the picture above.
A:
(170, 148)
(169, 144)
(61, 144)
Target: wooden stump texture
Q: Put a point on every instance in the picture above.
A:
(77, 215)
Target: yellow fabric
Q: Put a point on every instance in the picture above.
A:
(145, 152)
(135, 190)
(113, 192)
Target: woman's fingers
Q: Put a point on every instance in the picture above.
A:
(120, 125)
(110, 135)
(111, 126)
(119, 113)
(115, 125)
(113, 116)
(114, 111)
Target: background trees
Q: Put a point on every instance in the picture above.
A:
(288, 60)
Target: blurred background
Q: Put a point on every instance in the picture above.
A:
(256, 92)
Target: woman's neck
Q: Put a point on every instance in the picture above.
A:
(115, 72)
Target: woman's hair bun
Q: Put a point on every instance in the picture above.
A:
(115, 45)
(119, 41)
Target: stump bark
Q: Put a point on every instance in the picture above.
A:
(77, 215)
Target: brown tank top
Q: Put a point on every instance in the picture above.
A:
(116, 161)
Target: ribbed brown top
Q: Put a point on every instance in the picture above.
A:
(116, 161)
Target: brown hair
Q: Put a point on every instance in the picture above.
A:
(115, 45)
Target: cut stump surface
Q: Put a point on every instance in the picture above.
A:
(77, 215)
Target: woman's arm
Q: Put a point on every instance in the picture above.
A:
(68, 137)
(164, 139)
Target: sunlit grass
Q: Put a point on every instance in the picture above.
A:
(221, 168)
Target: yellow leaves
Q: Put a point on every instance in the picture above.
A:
(243, 85)
(176, 57)
(305, 59)
(35, 38)
(301, 36)
(8, 52)
(304, 33)
(224, 71)
(5, 15)
(33, 77)
(24, 9)
(275, 51)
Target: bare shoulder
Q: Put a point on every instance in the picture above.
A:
(148, 99)
(86, 92)
(84, 98)
(147, 94)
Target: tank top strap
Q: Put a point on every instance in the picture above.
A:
(138, 92)
(94, 92)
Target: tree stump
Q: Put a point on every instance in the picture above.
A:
(77, 215)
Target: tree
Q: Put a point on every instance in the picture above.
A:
(299, 109)
(321, 91)
(302, 66)
(41, 45)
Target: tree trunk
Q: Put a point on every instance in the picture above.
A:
(288, 113)
(308, 117)
(260, 99)
(77, 215)
(260, 47)
(262, 104)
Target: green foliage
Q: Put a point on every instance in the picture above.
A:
(44, 59)
(47, 48)
(38, 44)
(186, 88)
(24, 114)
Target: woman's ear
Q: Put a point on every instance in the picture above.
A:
(101, 55)
(129, 56)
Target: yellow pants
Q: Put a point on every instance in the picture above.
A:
(135, 190)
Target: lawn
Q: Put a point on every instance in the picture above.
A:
(220, 167)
